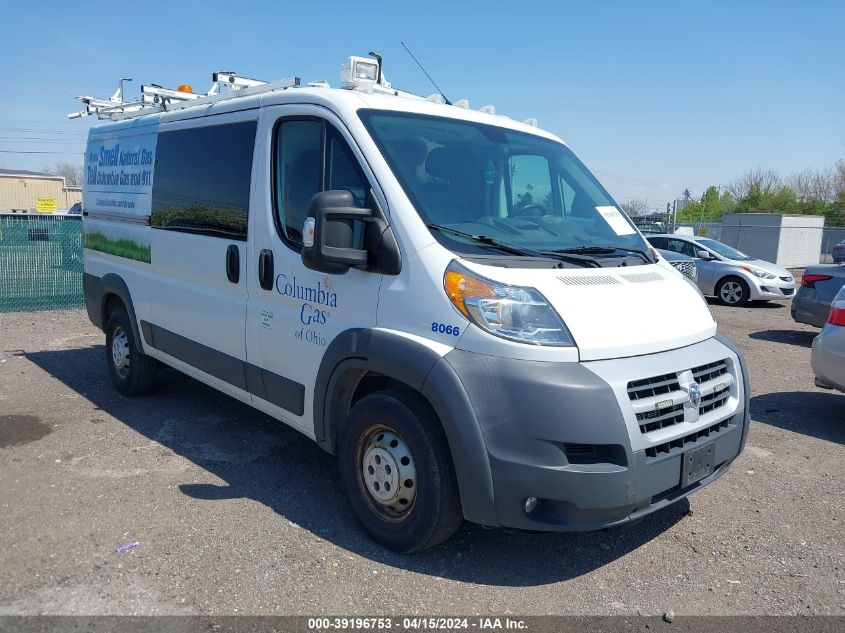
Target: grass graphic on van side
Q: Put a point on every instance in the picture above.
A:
(122, 247)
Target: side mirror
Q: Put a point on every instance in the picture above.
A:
(329, 231)
(702, 254)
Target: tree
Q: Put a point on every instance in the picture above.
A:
(690, 213)
(754, 182)
(635, 207)
(71, 172)
(712, 204)
(839, 176)
(708, 209)
(811, 185)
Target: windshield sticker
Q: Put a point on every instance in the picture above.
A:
(616, 220)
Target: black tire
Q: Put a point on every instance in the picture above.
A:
(733, 292)
(137, 375)
(435, 509)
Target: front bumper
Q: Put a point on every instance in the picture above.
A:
(771, 289)
(568, 433)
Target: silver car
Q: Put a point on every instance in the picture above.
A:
(819, 286)
(730, 275)
(828, 359)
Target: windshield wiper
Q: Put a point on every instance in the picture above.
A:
(515, 249)
(607, 250)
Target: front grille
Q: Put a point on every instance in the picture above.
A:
(679, 444)
(666, 412)
(654, 386)
(714, 400)
(710, 371)
(787, 292)
(686, 268)
(660, 419)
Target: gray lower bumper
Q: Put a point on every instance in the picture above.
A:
(575, 498)
(555, 431)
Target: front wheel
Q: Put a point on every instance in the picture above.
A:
(396, 470)
(733, 291)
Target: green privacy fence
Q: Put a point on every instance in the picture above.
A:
(40, 262)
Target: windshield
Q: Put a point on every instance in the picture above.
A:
(724, 250)
(483, 180)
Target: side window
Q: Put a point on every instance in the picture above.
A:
(311, 156)
(202, 180)
(683, 247)
(343, 171)
(531, 184)
(658, 242)
(298, 174)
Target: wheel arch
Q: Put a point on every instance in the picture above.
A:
(102, 294)
(363, 361)
(734, 275)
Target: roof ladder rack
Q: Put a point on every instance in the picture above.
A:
(156, 98)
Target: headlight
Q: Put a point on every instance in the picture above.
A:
(512, 312)
(762, 274)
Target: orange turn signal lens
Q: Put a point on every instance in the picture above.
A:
(460, 286)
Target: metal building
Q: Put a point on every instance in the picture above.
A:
(23, 191)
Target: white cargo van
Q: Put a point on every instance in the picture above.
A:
(443, 297)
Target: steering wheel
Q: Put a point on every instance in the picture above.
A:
(533, 208)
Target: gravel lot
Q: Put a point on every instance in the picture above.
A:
(236, 514)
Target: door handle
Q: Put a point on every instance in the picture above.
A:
(265, 269)
(233, 263)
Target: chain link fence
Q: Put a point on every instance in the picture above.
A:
(40, 262)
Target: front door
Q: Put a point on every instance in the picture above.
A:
(294, 313)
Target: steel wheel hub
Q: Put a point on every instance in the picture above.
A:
(388, 472)
(120, 351)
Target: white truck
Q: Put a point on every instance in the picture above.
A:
(443, 297)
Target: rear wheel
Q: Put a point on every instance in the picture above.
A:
(396, 471)
(733, 291)
(131, 371)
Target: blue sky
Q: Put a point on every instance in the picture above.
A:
(653, 96)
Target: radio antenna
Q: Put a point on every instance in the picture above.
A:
(445, 98)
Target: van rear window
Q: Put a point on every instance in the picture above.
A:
(202, 179)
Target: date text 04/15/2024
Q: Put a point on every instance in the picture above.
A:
(416, 623)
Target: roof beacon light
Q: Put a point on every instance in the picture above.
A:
(185, 88)
(488, 109)
(463, 103)
(435, 98)
(532, 122)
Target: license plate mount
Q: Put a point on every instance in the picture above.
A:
(697, 464)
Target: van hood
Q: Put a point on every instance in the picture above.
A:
(618, 312)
